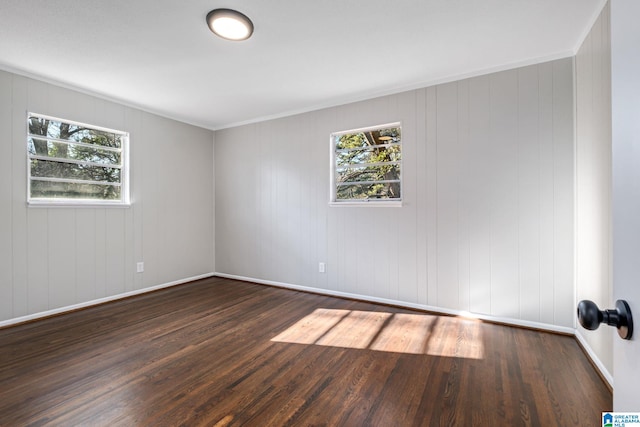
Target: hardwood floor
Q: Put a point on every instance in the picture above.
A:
(219, 352)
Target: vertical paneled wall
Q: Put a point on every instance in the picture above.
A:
(593, 179)
(488, 186)
(58, 257)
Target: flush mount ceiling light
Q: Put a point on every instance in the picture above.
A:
(230, 24)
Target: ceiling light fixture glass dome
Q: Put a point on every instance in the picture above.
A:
(230, 24)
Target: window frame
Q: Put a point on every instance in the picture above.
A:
(123, 201)
(333, 201)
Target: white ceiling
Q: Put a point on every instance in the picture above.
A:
(159, 55)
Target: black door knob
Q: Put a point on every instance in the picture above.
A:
(590, 317)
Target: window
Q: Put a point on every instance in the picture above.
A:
(366, 166)
(75, 163)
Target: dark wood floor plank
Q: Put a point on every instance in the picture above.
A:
(204, 354)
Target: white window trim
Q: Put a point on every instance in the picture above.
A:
(125, 197)
(388, 203)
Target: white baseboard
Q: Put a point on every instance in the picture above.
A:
(506, 321)
(594, 358)
(73, 307)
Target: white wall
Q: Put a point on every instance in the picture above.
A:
(593, 182)
(59, 257)
(487, 221)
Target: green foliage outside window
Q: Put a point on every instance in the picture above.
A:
(368, 164)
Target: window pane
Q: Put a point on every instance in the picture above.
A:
(71, 132)
(52, 169)
(369, 191)
(370, 173)
(369, 155)
(65, 190)
(367, 138)
(82, 153)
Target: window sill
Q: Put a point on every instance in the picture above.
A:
(74, 204)
(371, 204)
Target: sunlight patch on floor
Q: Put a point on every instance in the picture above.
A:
(392, 332)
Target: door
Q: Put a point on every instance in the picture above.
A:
(625, 102)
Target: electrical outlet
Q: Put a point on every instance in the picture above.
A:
(140, 267)
(321, 267)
